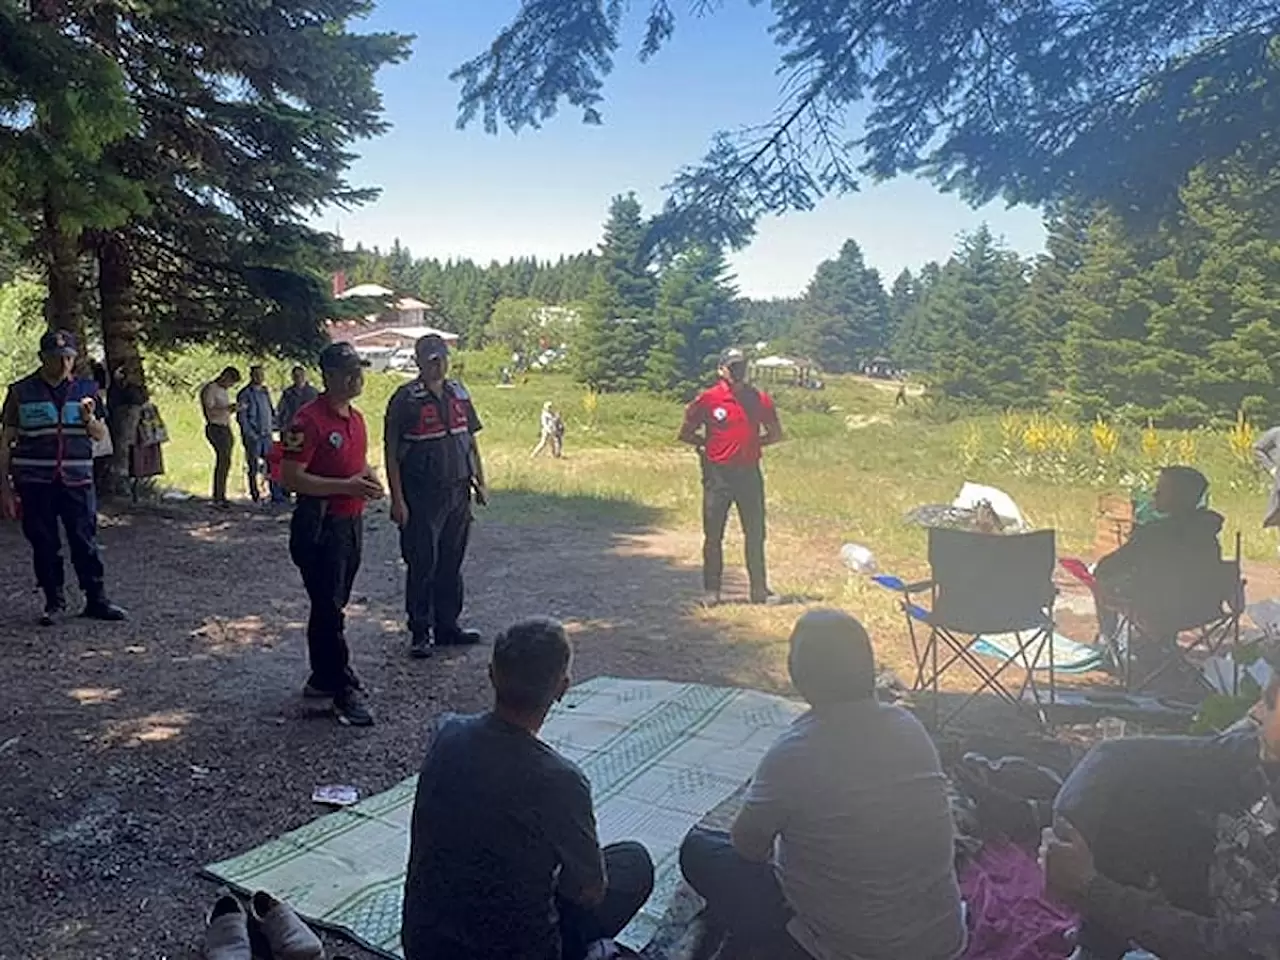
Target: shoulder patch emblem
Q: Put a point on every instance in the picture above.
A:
(459, 390)
(720, 413)
(293, 441)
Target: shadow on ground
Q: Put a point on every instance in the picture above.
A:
(131, 755)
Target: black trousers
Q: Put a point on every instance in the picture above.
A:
(220, 438)
(44, 507)
(743, 898)
(327, 552)
(629, 869)
(255, 461)
(434, 544)
(724, 487)
(1174, 851)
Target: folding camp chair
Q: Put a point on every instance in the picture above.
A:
(1198, 612)
(983, 584)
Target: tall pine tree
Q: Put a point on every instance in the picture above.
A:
(697, 317)
(846, 319)
(612, 341)
(978, 345)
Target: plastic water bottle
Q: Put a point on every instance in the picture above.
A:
(858, 558)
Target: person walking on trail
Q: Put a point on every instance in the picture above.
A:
(48, 426)
(552, 432)
(433, 470)
(293, 398)
(326, 464)
(730, 424)
(257, 419)
(215, 401)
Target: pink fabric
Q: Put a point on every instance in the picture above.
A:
(1010, 917)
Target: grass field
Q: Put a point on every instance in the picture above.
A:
(850, 469)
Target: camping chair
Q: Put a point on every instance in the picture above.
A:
(983, 584)
(1198, 614)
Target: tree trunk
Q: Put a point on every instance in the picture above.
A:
(62, 264)
(120, 329)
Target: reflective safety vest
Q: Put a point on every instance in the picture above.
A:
(53, 443)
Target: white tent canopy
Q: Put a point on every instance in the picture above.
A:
(407, 333)
(776, 362)
(366, 290)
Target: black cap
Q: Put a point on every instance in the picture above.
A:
(341, 357)
(59, 343)
(731, 356)
(431, 347)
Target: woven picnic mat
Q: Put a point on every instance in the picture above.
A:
(661, 756)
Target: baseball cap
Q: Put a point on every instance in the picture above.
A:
(59, 343)
(732, 355)
(341, 356)
(431, 347)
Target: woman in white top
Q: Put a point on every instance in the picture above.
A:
(552, 432)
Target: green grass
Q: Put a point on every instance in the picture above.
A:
(852, 465)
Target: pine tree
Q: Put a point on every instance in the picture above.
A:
(697, 317)
(612, 341)
(846, 319)
(1179, 324)
(978, 344)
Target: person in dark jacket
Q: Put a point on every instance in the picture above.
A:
(1135, 835)
(1165, 563)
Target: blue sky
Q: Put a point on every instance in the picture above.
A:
(450, 193)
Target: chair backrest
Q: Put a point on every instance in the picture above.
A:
(1197, 595)
(990, 583)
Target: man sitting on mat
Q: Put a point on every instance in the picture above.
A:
(1166, 842)
(503, 856)
(843, 848)
(1167, 563)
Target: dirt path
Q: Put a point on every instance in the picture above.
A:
(132, 755)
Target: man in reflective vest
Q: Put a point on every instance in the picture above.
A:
(434, 472)
(48, 426)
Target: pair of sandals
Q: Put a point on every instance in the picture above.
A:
(233, 928)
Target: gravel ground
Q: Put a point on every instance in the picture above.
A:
(131, 755)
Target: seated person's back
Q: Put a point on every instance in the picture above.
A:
(845, 840)
(866, 854)
(498, 814)
(1170, 568)
(504, 860)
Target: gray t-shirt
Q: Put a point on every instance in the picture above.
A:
(854, 800)
(502, 824)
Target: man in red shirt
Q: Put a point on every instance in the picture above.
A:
(326, 465)
(730, 424)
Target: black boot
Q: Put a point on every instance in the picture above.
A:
(55, 604)
(100, 608)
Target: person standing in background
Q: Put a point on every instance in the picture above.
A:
(433, 470)
(1267, 452)
(326, 464)
(215, 402)
(552, 432)
(730, 424)
(48, 425)
(102, 449)
(294, 397)
(257, 420)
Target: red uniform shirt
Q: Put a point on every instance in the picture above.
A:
(732, 420)
(328, 444)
